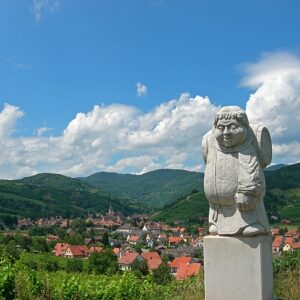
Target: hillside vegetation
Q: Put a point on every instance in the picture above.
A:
(283, 192)
(155, 189)
(188, 209)
(45, 195)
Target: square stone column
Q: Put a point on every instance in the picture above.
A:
(238, 268)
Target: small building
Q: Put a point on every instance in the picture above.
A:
(277, 244)
(78, 251)
(175, 240)
(127, 260)
(174, 265)
(60, 249)
(153, 260)
(186, 270)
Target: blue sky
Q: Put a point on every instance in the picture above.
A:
(61, 58)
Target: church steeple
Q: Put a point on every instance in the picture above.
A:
(110, 210)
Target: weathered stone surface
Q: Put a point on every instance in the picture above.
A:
(238, 268)
(235, 154)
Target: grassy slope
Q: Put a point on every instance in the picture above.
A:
(188, 208)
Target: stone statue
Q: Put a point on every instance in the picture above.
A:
(235, 154)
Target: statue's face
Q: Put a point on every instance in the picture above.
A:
(230, 133)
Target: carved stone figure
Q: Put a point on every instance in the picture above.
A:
(235, 154)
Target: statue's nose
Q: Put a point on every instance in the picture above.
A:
(226, 131)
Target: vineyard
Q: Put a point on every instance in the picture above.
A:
(19, 281)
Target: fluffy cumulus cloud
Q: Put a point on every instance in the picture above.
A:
(120, 138)
(276, 101)
(141, 89)
(114, 138)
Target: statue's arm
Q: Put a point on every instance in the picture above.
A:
(205, 141)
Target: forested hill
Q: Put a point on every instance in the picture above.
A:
(155, 189)
(282, 199)
(45, 195)
(52, 194)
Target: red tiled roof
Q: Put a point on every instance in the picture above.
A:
(60, 249)
(128, 258)
(81, 250)
(186, 270)
(296, 245)
(116, 250)
(289, 240)
(277, 241)
(179, 260)
(150, 255)
(175, 239)
(134, 238)
(154, 263)
(95, 249)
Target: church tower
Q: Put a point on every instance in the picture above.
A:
(110, 210)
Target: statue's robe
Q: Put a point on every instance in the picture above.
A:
(230, 171)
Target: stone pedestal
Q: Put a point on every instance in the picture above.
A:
(238, 268)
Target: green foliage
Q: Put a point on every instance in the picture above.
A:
(287, 276)
(74, 265)
(162, 275)
(50, 263)
(105, 239)
(188, 209)
(287, 261)
(140, 268)
(39, 244)
(103, 263)
(155, 188)
(7, 279)
(45, 195)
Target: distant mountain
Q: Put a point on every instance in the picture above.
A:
(282, 199)
(189, 209)
(154, 189)
(275, 167)
(283, 192)
(46, 195)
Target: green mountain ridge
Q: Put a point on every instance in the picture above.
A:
(153, 189)
(45, 195)
(282, 199)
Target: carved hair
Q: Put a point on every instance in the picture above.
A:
(232, 112)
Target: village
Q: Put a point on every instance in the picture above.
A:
(136, 239)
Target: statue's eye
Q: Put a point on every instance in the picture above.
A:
(233, 127)
(221, 128)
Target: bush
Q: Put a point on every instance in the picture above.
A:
(74, 265)
(162, 275)
(7, 279)
(103, 263)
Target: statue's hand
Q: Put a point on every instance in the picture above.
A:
(245, 202)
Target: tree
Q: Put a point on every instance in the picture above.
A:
(162, 275)
(74, 265)
(39, 244)
(105, 262)
(105, 239)
(140, 268)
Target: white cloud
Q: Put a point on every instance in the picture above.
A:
(8, 118)
(40, 7)
(141, 89)
(40, 131)
(116, 138)
(120, 138)
(276, 101)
